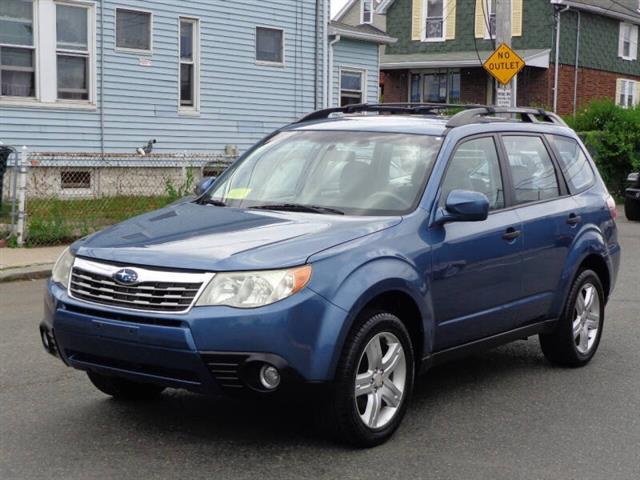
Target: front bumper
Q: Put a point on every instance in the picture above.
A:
(208, 350)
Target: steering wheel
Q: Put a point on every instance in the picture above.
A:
(379, 199)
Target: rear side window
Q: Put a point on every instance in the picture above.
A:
(475, 167)
(534, 177)
(574, 163)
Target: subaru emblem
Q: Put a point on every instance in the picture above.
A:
(126, 276)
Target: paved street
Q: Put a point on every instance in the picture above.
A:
(505, 414)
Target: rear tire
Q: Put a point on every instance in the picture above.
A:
(632, 209)
(373, 382)
(575, 340)
(122, 389)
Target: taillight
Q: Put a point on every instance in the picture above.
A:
(611, 205)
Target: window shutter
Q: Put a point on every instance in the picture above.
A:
(619, 87)
(480, 22)
(450, 19)
(516, 18)
(634, 42)
(417, 21)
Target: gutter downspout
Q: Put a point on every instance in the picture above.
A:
(556, 73)
(577, 65)
(102, 79)
(330, 79)
(316, 58)
(325, 46)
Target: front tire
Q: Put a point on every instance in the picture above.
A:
(575, 340)
(122, 389)
(632, 209)
(373, 383)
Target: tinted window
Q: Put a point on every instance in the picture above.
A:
(534, 178)
(574, 163)
(475, 167)
(269, 45)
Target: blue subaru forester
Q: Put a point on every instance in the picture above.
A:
(347, 253)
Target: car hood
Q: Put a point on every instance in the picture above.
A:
(209, 238)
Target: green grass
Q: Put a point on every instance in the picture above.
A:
(55, 221)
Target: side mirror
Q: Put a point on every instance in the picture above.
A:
(204, 185)
(464, 206)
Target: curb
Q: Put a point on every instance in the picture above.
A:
(32, 272)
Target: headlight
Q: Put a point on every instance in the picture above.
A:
(62, 268)
(254, 289)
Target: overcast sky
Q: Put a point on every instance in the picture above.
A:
(336, 5)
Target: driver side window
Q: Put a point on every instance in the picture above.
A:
(475, 167)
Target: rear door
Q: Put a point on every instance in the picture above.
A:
(549, 216)
(476, 277)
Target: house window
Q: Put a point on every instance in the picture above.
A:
(75, 179)
(434, 20)
(17, 49)
(367, 11)
(133, 30)
(72, 31)
(352, 87)
(491, 18)
(628, 41)
(627, 93)
(435, 86)
(270, 45)
(189, 63)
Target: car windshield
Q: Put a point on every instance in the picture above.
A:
(354, 173)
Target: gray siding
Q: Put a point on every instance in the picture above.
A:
(360, 55)
(240, 101)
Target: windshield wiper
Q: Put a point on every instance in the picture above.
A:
(212, 201)
(297, 207)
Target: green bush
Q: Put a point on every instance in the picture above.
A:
(612, 135)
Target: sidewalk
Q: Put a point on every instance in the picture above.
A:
(27, 263)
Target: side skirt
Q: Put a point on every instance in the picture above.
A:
(483, 344)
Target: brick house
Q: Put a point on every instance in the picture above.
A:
(442, 44)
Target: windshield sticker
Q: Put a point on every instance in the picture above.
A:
(238, 193)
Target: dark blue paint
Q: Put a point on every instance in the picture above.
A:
(465, 279)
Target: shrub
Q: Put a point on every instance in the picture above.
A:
(612, 135)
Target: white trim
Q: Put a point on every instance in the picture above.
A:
(425, 15)
(627, 83)
(343, 11)
(267, 63)
(193, 110)
(134, 51)
(633, 41)
(364, 82)
(381, 39)
(487, 20)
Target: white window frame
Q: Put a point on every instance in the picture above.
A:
(135, 51)
(284, 50)
(430, 71)
(36, 64)
(487, 28)
(425, 9)
(46, 74)
(630, 91)
(89, 54)
(364, 75)
(371, 7)
(196, 61)
(633, 41)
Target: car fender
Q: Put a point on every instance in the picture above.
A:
(370, 279)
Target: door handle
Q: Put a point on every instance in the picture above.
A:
(511, 234)
(574, 219)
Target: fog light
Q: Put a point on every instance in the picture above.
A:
(269, 377)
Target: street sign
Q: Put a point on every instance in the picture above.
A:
(504, 64)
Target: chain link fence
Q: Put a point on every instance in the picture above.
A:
(68, 196)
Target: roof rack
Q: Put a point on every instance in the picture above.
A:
(487, 114)
(391, 108)
(469, 114)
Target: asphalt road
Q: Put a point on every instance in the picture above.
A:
(505, 414)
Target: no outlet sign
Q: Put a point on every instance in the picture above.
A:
(504, 64)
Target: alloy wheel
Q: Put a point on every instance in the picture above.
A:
(586, 322)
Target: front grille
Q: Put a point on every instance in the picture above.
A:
(151, 296)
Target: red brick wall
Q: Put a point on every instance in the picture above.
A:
(473, 85)
(396, 86)
(534, 89)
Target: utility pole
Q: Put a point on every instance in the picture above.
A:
(505, 94)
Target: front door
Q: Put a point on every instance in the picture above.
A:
(476, 280)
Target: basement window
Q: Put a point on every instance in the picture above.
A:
(73, 179)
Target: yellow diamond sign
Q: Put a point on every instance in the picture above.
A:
(504, 64)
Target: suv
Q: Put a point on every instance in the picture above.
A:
(347, 253)
(632, 197)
